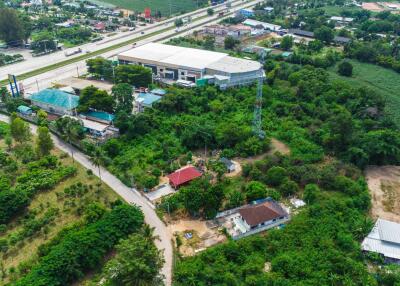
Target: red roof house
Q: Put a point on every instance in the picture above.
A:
(183, 176)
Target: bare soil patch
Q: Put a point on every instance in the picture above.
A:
(384, 187)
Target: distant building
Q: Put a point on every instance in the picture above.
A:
(384, 239)
(246, 13)
(342, 20)
(266, 26)
(239, 31)
(183, 176)
(269, 9)
(301, 33)
(55, 101)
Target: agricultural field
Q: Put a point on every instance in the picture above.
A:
(177, 6)
(58, 195)
(384, 81)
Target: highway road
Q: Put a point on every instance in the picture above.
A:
(130, 195)
(47, 79)
(42, 61)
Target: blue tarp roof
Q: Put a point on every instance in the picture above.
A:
(57, 98)
(100, 115)
(149, 98)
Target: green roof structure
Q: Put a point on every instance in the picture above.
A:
(57, 98)
(24, 109)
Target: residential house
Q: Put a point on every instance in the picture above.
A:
(341, 20)
(99, 116)
(253, 218)
(230, 165)
(384, 239)
(55, 101)
(183, 176)
(216, 30)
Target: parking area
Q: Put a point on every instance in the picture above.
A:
(159, 192)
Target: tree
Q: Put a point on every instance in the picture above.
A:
(122, 93)
(276, 175)
(44, 142)
(42, 118)
(230, 42)
(137, 262)
(209, 43)
(97, 158)
(324, 34)
(19, 129)
(345, 69)
(93, 98)
(11, 29)
(100, 68)
(178, 22)
(135, 75)
(71, 131)
(210, 11)
(43, 42)
(286, 43)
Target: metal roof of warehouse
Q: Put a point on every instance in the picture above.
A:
(188, 58)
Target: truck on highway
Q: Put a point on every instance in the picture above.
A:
(73, 52)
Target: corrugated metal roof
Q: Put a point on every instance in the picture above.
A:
(389, 231)
(149, 98)
(384, 238)
(100, 115)
(56, 97)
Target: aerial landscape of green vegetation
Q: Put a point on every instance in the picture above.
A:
(164, 6)
(382, 80)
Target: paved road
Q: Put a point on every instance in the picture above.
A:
(129, 195)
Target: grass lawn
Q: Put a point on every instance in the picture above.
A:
(381, 80)
(157, 5)
(69, 212)
(335, 10)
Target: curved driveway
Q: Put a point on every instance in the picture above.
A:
(130, 195)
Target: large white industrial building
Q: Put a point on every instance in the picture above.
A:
(178, 63)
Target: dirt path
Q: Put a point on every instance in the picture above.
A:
(384, 187)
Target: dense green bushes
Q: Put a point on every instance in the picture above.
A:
(82, 250)
(40, 175)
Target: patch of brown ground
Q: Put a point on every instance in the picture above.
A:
(203, 235)
(384, 187)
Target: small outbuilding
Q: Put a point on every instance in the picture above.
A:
(230, 165)
(24, 110)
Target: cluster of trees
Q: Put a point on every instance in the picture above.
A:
(382, 52)
(132, 74)
(137, 262)
(80, 250)
(15, 28)
(184, 120)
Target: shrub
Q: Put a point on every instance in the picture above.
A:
(345, 69)
(275, 176)
(288, 188)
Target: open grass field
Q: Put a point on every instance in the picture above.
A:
(381, 80)
(68, 207)
(177, 6)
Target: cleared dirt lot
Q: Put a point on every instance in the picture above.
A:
(384, 187)
(204, 235)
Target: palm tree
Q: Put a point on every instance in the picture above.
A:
(97, 158)
(71, 134)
